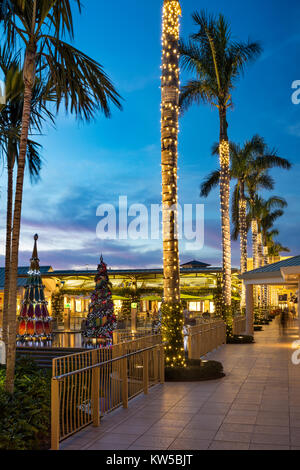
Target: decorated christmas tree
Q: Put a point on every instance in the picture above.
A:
(34, 320)
(101, 320)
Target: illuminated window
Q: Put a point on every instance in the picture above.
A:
(78, 307)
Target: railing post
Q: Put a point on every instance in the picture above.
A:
(55, 431)
(95, 396)
(162, 365)
(124, 383)
(146, 371)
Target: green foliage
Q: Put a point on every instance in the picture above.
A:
(126, 310)
(57, 302)
(172, 333)
(25, 416)
(259, 316)
(195, 371)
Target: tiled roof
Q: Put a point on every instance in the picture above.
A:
(272, 268)
(195, 264)
(22, 271)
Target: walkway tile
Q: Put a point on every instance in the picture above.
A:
(233, 436)
(190, 444)
(256, 406)
(220, 445)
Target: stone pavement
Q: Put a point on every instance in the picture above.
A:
(256, 406)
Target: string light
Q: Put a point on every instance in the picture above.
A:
(243, 243)
(172, 312)
(224, 152)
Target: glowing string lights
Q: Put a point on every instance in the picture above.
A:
(172, 315)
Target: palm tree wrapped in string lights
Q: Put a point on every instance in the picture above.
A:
(172, 313)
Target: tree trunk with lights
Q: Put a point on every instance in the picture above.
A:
(243, 239)
(265, 287)
(225, 204)
(172, 313)
(224, 152)
(260, 264)
(254, 229)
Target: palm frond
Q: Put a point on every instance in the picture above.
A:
(78, 81)
(209, 183)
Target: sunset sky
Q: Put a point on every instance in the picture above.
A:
(89, 164)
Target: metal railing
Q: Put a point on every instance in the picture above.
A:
(126, 335)
(204, 338)
(239, 325)
(88, 385)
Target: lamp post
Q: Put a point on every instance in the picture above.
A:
(172, 321)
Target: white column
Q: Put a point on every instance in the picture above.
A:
(249, 310)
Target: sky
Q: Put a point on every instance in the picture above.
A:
(86, 165)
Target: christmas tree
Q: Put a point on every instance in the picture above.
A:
(101, 320)
(34, 320)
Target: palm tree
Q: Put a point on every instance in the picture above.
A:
(274, 247)
(10, 127)
(251, 159)
(218, 62)
(172, 314)
(259, 210)
(266, 224)
(77, 81)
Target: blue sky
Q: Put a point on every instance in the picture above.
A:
(86, 165)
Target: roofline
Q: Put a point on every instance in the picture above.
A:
(264, 271)
(112, 272)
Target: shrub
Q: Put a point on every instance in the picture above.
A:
(195, 370)
(25, 415)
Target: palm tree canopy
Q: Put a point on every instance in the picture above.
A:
(249, 167)
(78, 82)
(216, 60)
(11, 115)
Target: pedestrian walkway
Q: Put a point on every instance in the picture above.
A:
(256, 406)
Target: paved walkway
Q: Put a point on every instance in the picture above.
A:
(256, 406)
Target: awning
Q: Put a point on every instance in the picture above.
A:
(119, 297)
(196, 298)
(152, 298)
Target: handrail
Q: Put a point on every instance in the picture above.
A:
(81, 395)
(100, 364)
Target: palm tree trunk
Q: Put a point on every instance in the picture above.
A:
(243, 239)
(265, 287)
(260, 249)
(254, 228)
(225, 205)
(29, 78)
(172, 322)
(260, 263)
(10, 159)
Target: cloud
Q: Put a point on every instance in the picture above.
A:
(294, 130)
